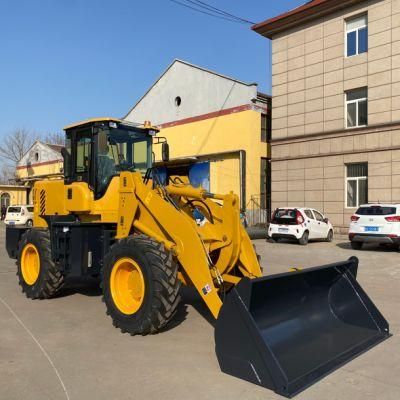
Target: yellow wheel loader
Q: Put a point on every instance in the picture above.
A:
(146, 232)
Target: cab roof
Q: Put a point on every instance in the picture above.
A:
(91, 121)
(146, 125)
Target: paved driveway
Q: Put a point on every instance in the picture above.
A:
(67, 347)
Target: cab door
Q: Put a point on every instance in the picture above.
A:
(83, 157)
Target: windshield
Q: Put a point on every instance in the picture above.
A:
(121, 150)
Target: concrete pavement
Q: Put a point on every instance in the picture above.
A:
(69, 341)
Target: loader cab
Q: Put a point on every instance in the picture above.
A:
(97, 150)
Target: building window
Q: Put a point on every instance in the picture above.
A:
(357, 108)
(357, 35)
(356, 184)
(178, 101)
(264, 128)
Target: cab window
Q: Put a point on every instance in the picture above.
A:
(83, 155)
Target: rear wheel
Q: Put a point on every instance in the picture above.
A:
(38, 275)
(356, 245)
(140, 285)
(304, 239)
(329, 238)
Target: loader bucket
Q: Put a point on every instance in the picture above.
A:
(287, 331)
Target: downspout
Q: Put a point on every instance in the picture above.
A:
(242, 174)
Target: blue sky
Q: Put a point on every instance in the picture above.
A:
(65, 60)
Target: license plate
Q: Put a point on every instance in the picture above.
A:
(371, 228)
(283, 230)
(11, 223)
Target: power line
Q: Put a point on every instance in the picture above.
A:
(218, 10)
(206, 9)
(200, 11)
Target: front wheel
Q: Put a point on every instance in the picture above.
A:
(329, 238)
(140, 285)
(304, 239)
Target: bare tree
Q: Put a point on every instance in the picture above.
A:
(16, 144)
(7, 173)
(54, 138)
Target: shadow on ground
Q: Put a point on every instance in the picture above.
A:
(86, 286)
(91, 287)
(369, 247)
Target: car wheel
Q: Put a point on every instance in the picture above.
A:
(329, 238)
(304, 239)
(272, 240)
(356, 245)
(29, 223)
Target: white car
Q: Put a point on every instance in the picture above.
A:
(375, 223)
(301, 224)
(19, 215)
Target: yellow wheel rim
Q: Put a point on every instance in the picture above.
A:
(30, 264)
(127, 285)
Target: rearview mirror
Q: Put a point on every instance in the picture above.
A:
(165, 151)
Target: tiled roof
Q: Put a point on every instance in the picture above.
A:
(306, 12)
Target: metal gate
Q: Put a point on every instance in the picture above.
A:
(257, 214)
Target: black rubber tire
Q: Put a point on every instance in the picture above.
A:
(162, 286)
(29, 223)
(356, 245)
(50, 279)
(329, 238)
(304, 239)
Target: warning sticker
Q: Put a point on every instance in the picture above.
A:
(206, 289)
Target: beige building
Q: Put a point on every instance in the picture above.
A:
(336, 105)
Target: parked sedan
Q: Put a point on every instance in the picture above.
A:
(300, 224)
(375, 223)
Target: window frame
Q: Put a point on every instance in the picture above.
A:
(356, 101)
(347, 31)
(357, 179)
(317, 213)
(311, 216)
(264, 128)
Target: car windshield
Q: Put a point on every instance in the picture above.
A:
(376, 210)
(14, 209)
